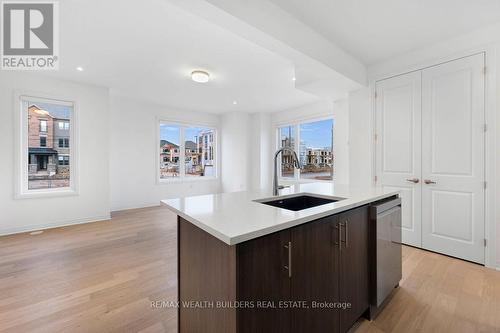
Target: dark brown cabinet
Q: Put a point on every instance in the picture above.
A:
(323, 263)
(262, 275)
(354, 265)
(315, 277)
(320, 264)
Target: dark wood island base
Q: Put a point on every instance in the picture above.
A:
(314, 277)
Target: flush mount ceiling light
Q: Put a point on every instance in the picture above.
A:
(200, 76)
(79, 68)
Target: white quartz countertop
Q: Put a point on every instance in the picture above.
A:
(235, 217)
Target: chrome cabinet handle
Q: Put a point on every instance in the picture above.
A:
(339, 231)
(413, 180)
(340, 235)
(428, 181)
(289, 267)
(345, 234)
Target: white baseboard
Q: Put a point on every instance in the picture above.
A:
(136, 206)
(35, 227)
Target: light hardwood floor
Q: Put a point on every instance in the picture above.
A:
(103, 276)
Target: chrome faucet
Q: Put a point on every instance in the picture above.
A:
(296, 164)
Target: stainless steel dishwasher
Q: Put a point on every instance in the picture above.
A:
(385, 238)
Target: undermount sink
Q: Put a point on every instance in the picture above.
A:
(298, 202)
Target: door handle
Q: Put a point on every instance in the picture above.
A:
(413, 180)
(289, 267)
(428, 181)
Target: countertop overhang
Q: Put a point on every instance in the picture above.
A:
(236, 217)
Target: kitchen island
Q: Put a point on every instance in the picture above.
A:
(245, 265)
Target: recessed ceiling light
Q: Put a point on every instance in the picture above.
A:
(200, 76)
(235, 102)
(80, 69)
(294, 78)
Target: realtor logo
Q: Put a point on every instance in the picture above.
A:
(30, 36)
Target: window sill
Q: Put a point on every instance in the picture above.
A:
(53, 193)
(181, 180)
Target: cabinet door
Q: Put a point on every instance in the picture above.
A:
(354, 261)
(263, 276)
(315, 275)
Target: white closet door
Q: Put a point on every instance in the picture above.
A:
(398, 150)
(453, 158)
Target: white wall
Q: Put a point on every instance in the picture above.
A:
(261, 151)
(487, 40)
(340, 112)
(92, 202)
(360, 139)
(341, 146)
(235, 151)
(133, 160)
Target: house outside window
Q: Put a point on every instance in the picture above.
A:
(186, 151)
(44, 162)
(313, 143)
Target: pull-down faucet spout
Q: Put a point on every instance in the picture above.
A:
(295, 161)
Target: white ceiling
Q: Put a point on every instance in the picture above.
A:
(148, 49)
(373, 31)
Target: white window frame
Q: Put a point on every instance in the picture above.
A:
(182, 166)
(296, 146)
(21, 190)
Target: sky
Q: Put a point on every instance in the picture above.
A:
(317, 134)
(171, 133)
(55, 110)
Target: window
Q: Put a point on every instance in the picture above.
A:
(286, 139)
(63, 125)
(43, 125)
(315, 151)
(45, 157)
(313, 142)
(169, 141)
(63, 160)
(63, 142)
(186, 151)
(199, 152)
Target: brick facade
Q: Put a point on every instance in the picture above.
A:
(35, 116)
